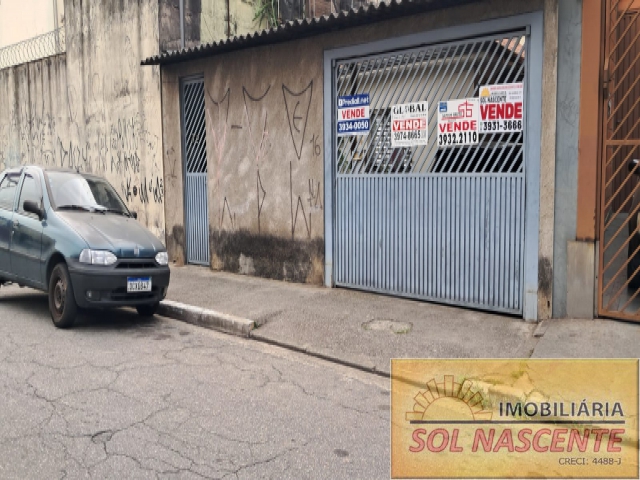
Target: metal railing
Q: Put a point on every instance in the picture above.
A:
(42, 46)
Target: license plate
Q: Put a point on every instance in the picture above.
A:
(135, 285)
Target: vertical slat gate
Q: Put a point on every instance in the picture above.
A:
(195, 185)
(427, 222)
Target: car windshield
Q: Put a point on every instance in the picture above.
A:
(74, 191)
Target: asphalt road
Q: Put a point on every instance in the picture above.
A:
(121, 397)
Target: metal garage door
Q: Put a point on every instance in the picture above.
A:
(442, 223)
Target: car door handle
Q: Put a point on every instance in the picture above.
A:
(16, 223)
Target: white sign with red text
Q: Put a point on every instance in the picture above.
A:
(458, 122)
(409, 124)
(502, 108)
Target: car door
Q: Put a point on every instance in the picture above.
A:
(8, 189)
(26, 240)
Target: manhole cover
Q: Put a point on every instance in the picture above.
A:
(388, 325)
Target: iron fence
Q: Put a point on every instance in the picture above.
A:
(42, 46)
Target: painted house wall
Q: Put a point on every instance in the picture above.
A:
(265, 175)
(93, 108)
(24, 19)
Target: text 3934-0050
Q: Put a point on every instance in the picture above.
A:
(353, 126)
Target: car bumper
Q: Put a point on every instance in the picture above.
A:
(105, 287)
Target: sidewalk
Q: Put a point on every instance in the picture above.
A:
(367, 330)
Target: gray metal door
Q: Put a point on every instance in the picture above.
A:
(195, 163)
(442, 223)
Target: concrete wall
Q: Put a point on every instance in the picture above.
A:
(94, 108)
(265, 167)
(222, 19)
(568, 113)
(206, 21)
(169, 19)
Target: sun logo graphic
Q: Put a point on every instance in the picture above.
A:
(449, 400)
(485, 92)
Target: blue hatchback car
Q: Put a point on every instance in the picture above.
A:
(71, 235)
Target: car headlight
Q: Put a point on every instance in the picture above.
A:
(97, 257)
(162, 258)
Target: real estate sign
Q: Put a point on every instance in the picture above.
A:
(353, 115)
(458, 122)
(502, 108)
(409, 124)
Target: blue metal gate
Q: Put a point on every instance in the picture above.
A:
(195, 161)
(433, 221)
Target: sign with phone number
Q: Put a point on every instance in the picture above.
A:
(502, 108)
(353, 115)
(409, 124)
(458, 122)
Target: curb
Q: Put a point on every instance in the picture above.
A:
(206, 318)
(244, 327)
(322, 354)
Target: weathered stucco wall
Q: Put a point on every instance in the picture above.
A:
(205, 21)
(265, 149)
(94, 108)
(224, 18)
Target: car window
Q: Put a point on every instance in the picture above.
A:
(72, 189)
(30, 191)
(8, 188)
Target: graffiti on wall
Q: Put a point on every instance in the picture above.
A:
(92, 112)
(254, 133)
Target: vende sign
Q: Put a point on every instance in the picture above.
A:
(502, 111)
(502, 108)
(353, 115)
(458, 122)
(409, 124)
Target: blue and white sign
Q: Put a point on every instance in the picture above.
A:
(353, 115)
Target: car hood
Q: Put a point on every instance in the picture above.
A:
(121, 235)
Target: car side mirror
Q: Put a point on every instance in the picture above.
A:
(32, 207)
(134, 215)
(634, 166)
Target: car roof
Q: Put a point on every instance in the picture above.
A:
(15, 170)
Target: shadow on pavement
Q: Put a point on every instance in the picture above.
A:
(37, 303)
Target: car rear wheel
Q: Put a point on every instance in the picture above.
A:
(62, 303)
(147, 310)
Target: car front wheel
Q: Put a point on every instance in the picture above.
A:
(147, 310)
(62, 303)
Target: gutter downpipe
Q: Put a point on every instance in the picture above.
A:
(182, 24)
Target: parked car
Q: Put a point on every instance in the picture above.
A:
(71, 235)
